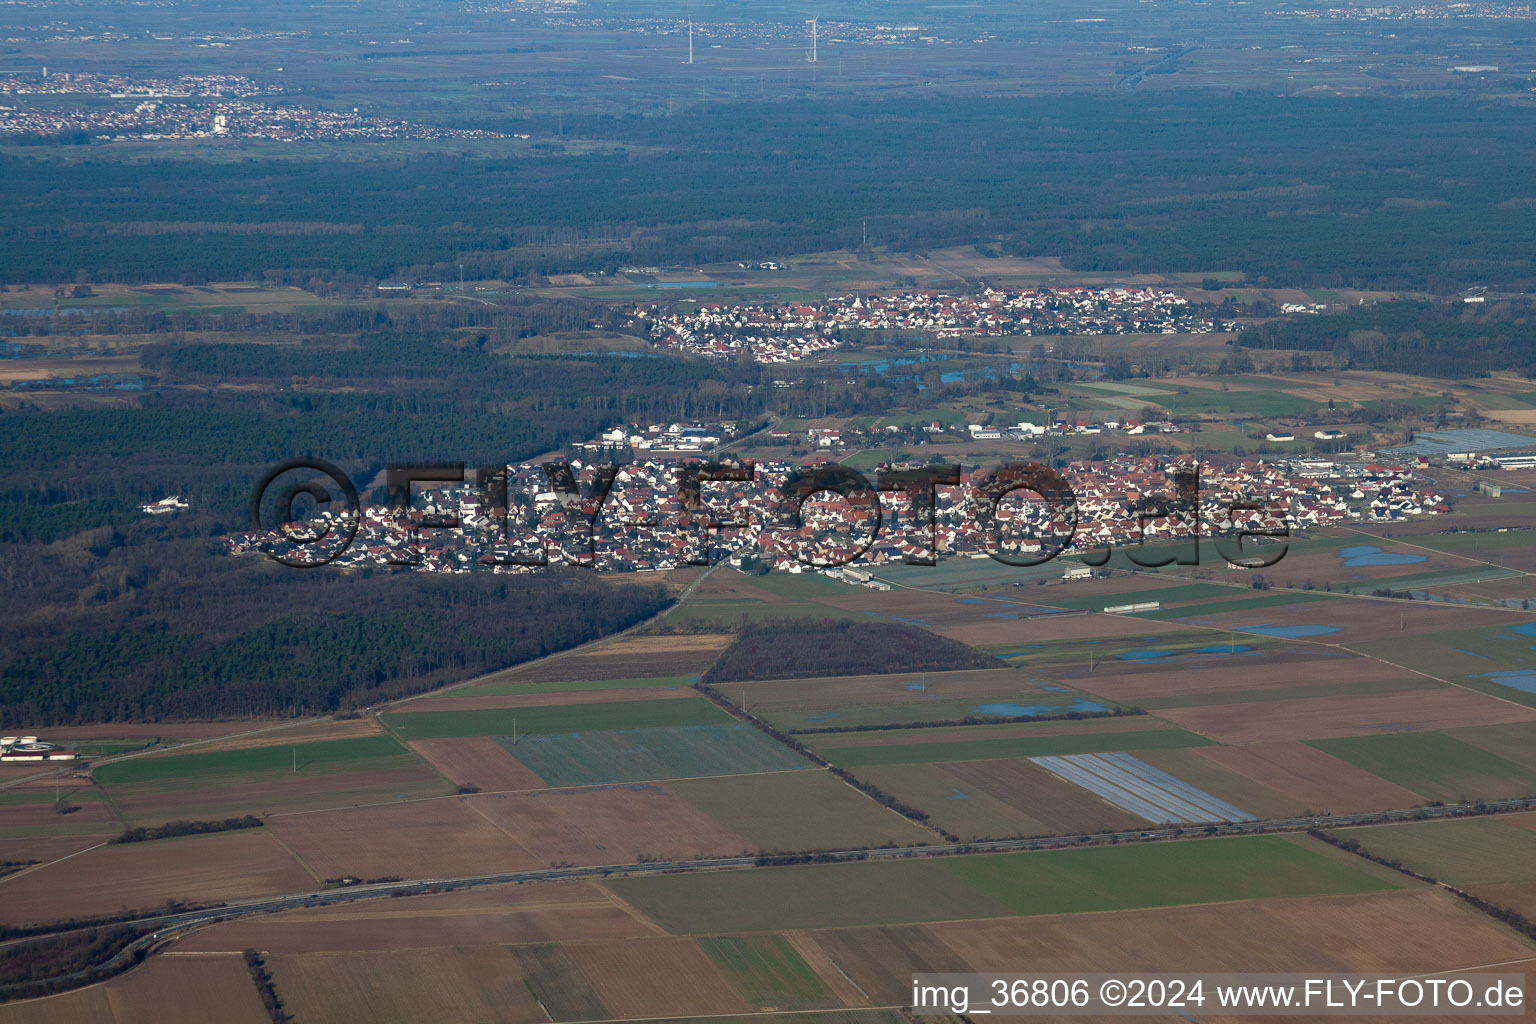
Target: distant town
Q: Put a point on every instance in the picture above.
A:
(189, 107)
(787, 331)
(642, 524)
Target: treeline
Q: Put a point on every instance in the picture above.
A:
(1504, 915)
(40, 967)
(1452, 340)
(265, 990)
(174, 829)
(795, 648)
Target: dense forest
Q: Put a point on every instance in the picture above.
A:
(1430, 192)
(1452, 339)
(174, 631)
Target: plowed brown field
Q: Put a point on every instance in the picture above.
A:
(1358, 715)
(478, 761)
(201, 869)
(498, 915)
(659, 977)
(419, 839)
(608, 824)
(1312, 778)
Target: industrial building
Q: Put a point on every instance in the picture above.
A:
(14, 749)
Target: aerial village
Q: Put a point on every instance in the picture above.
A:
(641, 522)
(787, 331)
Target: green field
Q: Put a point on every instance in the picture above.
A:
(1234, 603)
(732, 612)
(962, 572)
(499, 689)
(646, 755)
(1434, 764)
(1174, 592)
(1250, 403)
(998, 885)
(362, 754)
(629, 714)
(986, 749)
(1515, 741)
(768, 972)
(1471, 851)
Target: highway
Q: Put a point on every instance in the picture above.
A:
(164, 924)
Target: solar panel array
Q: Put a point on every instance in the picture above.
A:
(1135, 786)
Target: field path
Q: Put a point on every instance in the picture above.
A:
(820, 961)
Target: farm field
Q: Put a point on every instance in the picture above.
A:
(769, 972)
(644, 755)
(301, 732)
(964, 749)
(569, 699)
(479, 762)
(1467, 852)
(1384, 932)
(43, 849)
(960, 809)
(1351, 621)
(999, 885)
(32, 806)
(1150, 677)
(482, 983)
(176, 990)
(572, 686)
(629, 657)
(1517, 896)
(492, 916)
(1404, 931)
(259, 761)
(997, 798)
(656, 977)
(222, 797)
(1515, 742)
(903, 697)
(788, 811)
(989, 731)
(559, 719)
(1363, 715)
(413, 839)
(1303, 777)
(608, 825)
(1437, 765)
(197, 869)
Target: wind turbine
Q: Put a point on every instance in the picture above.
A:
(813, 40)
